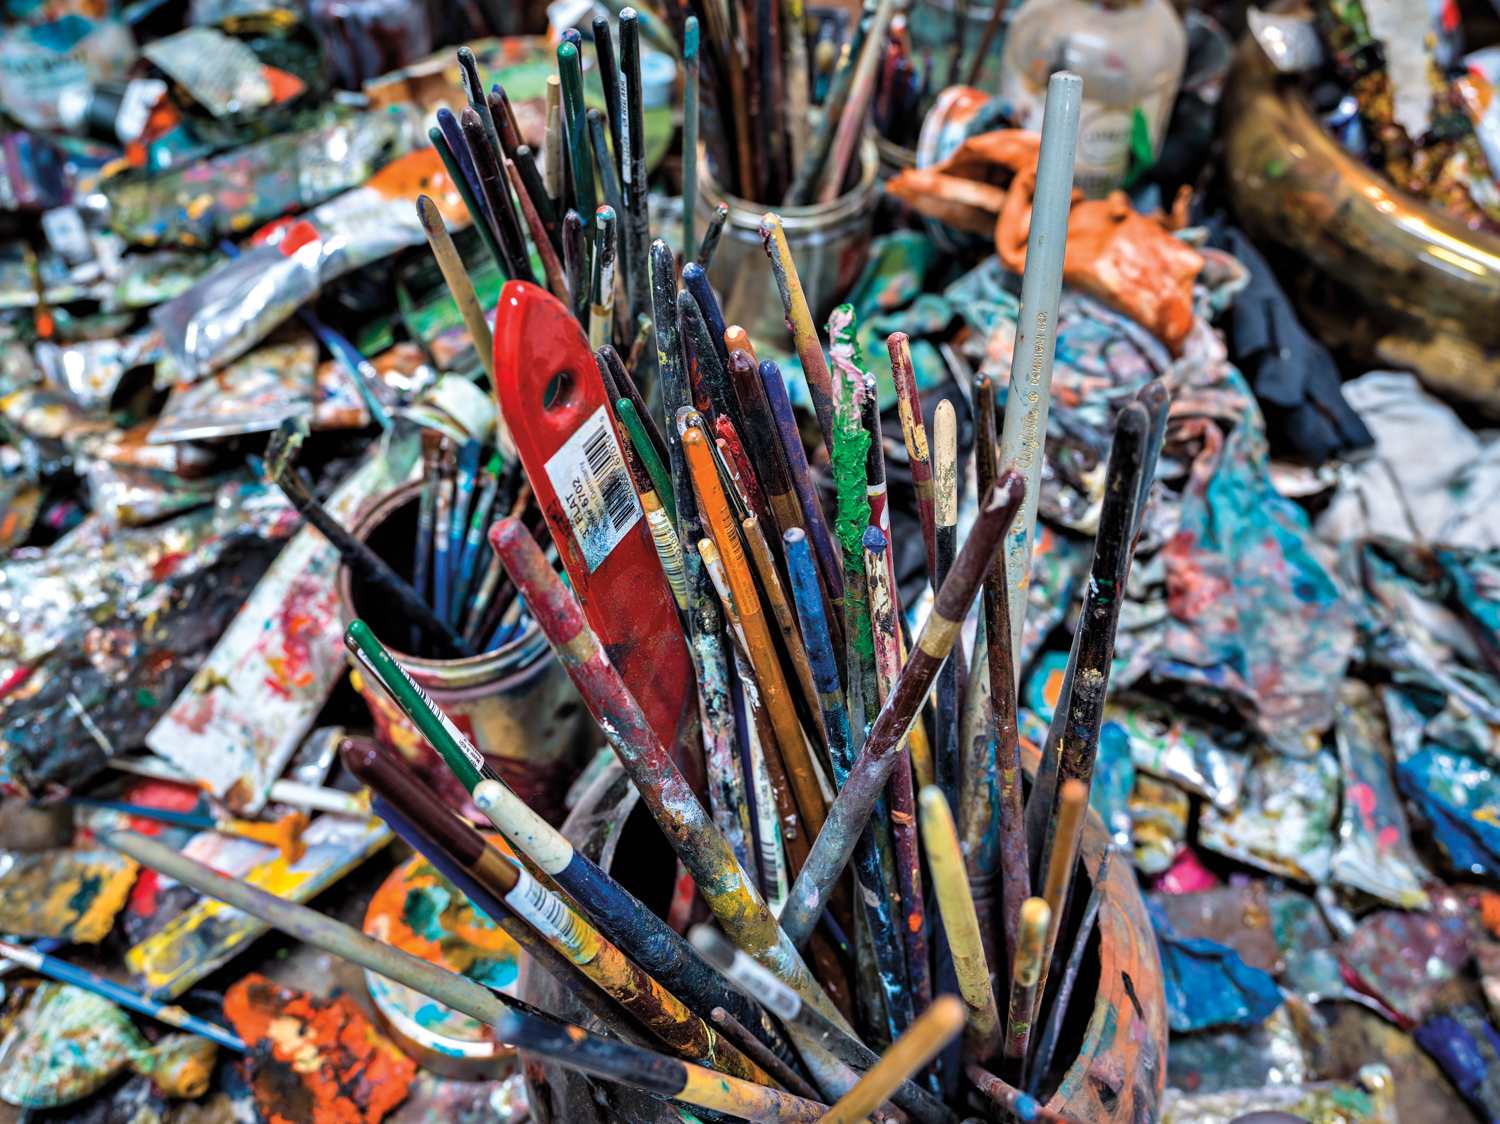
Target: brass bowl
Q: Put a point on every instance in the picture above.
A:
(1430, 286)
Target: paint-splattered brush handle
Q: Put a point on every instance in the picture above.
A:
(799, 316)
(909, 406)
(1035, 919)
(938, 1026)
(873, 767)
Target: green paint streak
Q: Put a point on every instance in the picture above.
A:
(423, 911)
(851, 446)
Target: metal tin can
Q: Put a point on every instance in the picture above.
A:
(516, 703)
(829, 242)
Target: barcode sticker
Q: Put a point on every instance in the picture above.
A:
(548, 914)
(593, 485)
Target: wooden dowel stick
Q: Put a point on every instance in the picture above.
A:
(458, 282)
(908, 1054)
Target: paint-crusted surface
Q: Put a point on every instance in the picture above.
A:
(209, 933)
(237, 723)
(850, 449)
(314, 1061)
(66, 1044)
(68, 894)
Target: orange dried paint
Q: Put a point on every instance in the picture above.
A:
(314, 1061)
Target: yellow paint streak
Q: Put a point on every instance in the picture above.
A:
(711, 1090)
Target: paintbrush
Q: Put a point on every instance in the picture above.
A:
(768, 673)
(675, 388)
(909, 405)
(945, 542)
(363, 562)
(55, 968)
(443, 512)
(552, 142)
(737, 339)
(531, 189)
(796, 80)
(541, 236)
(633, 424)
(609, 78)
(576, 265)
(1082, 710)
(468, 71)
(1023, 437)
(1035, 920)
(951, 883)
(663, 530)
(602, 312)
(732, 453)
(698, 335)
(458, 520)
(872, 768)
(483, 221)
(609, 182)
(553, 919)
(505, 128)
(788, 1006)
(458, 282)
(724, 885)
(887, 946)
(625, 386)
(285, 834)
(1043, 1059)
(813, 521)
(453, 133)
(764, 442)
(488, 585)
(781, 610)
(689, 133)
(815, 158)
(421, 568)
(787, 1077)
(641, 264)
(575, 113)
(1011, 1099)
(799, 316)
(851, 121)
(497, 195)
(479, 525)
(711, 233)
(571, 1045)
(875, 485)
(888, 661)
(849, 454)
(695, 281)
(1073, 801)
(937, 1026)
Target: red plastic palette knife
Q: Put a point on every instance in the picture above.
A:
(550, 394)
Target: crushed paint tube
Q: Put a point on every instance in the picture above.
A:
(253, 394)
(209, 933)
(1283, 823)
(1283, 1050)
(1182, 750)
(1374, 853)
(314, 1061)
(237, 723)
(1114, 783)
(1186, 875)
(1369, 1099)
(1468, 1048)
(417, 910)
(69, 1043)
(1207, 984)
(151, 278)
(1307, 946)
(69, 894)
(1403, 960)
(1238, 917)
(1459, 797)
(1159, 813)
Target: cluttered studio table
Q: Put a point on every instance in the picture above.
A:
(801, 561)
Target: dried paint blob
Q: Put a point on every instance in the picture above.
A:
(70, 894)
(314, 1061)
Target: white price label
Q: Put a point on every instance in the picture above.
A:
(593, 485)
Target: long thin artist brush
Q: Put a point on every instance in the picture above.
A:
(872, 768)
(851, 126)
(764, 438)
(626, 387)
(762, 653)
(56, 968)
(1011, 1099)
(899, 790)
(889, 950)
(689, 133)
(663, 529)
(1043, 1059)
(442, 570)
(922, 1042)
(483, 221)
(552, 143)
(945, 540)
(724, 885)
(421, 569)
(479, 525)
(609, 78)
(799, 316)
(675, 389)
(505, 127)
(951, 883)
(849, 454)
(576, 265)
(458, 282)
(788, 1006)
(363, 562)
(765, 566)
(458, 521)
(909, 405)
(631, 420)
(468, 71)
(732, 453)
(513, 1020)
(453, 133)
(639, 257)
(552, 918)
(1035, 920)
(1073, 801)
(809, 172)
(710, 370)
(710, 244)
(695, 281)
(542, 237)
(497, 194)
(986, 37)
(532, 187)
(575, 114)
(1024, 434)
(737, 339)
(813, 522)
(602, 309)
(609, 182)
(798, 86)
(875, 484)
